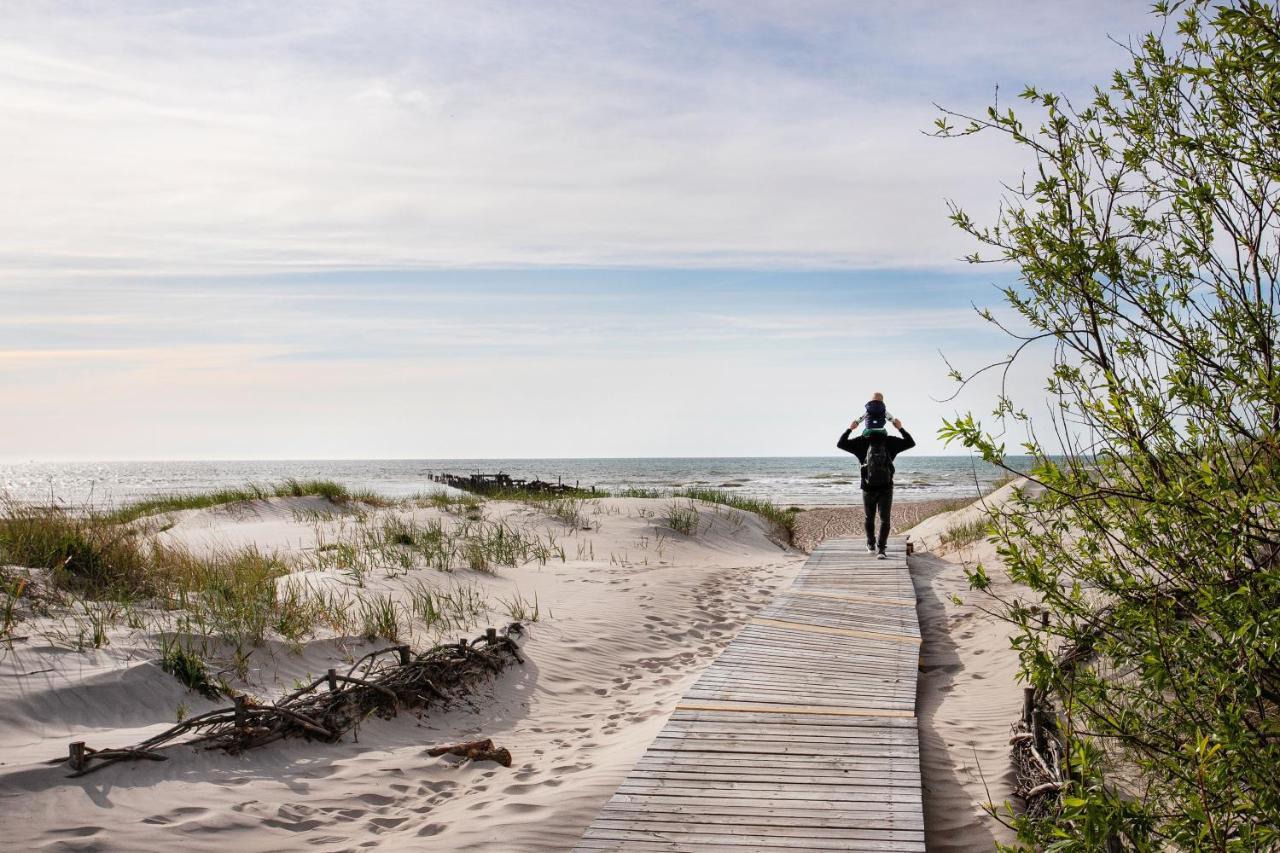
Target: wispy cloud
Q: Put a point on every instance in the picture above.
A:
(264, 228)
(242, 136)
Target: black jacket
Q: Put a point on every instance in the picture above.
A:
(858, 447)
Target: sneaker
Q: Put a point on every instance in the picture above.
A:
(882, 556)
(871, 548)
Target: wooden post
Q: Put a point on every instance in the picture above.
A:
(333, 679)
(491, 634)
(242, 716)
(1028, 704)
(911, 547)
(75, 754)
(404, 655)
(1044, 620)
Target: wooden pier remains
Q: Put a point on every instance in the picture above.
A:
(801, 736)
(505, 484)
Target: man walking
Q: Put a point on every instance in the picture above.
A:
(876, 452)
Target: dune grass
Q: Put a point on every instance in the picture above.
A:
(638, 492)
(783, 519)
(190, 669)
(82, 550)
(684, 519)
(292, 488)
(965, 532)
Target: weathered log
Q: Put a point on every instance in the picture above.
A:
(476, 750)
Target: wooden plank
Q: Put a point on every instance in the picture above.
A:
(753, 708)
(843, 632)
(660, 808)
(801, 736)
(861, 599)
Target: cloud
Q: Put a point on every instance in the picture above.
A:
(284, 229)
(246, 137)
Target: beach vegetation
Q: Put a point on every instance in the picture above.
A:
(186, 665)
(783, 519)
(98, 570)
(380, 617)
(638, 492)
(1147, 248)
(82, 550)
(521, 609)
(11, 589)
(334, 492)
(683, 517)
(568, 509)
(965, 532)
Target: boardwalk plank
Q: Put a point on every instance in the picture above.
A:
(801, 736)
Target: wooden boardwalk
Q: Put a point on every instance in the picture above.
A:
(801, 736)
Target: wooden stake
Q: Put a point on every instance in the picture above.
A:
(75, 753)
(333, 679)
(242, 716)
(404, 655)
(1028, 704)
(491, 634)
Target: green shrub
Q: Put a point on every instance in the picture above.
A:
(190, 669)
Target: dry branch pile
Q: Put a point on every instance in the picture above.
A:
(1037, 756)
(382, 682)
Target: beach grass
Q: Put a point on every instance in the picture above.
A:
(783, 519)
(291, 488)
(190, 669)
(82, 550)
(638, 492)
(683, 518)
(965, 532)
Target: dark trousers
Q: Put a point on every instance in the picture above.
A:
(873, 500)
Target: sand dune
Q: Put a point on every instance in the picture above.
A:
(625, 629)
(967, 693)
(619, 642)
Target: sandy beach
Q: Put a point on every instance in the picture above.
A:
(623, 631)
(626, 621)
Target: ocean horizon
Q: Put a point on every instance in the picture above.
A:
(786, 480)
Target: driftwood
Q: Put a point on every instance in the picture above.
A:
(1037, 756)
(476, 750)
(389, 680)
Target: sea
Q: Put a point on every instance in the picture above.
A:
(805, 481)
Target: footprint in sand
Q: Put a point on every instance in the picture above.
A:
(376, 799)
(165, 819)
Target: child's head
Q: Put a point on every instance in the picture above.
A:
(878, 396)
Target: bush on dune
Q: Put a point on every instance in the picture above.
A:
(1148, 249)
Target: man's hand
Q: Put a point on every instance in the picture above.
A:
(855, 423)
(897, 423)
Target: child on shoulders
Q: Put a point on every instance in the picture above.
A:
(877, 416)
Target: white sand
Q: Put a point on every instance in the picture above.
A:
(622, 641)
(622, 636)
(967, 695)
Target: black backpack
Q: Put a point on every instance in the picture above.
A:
(878, 470)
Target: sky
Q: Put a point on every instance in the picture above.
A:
(482, 229)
